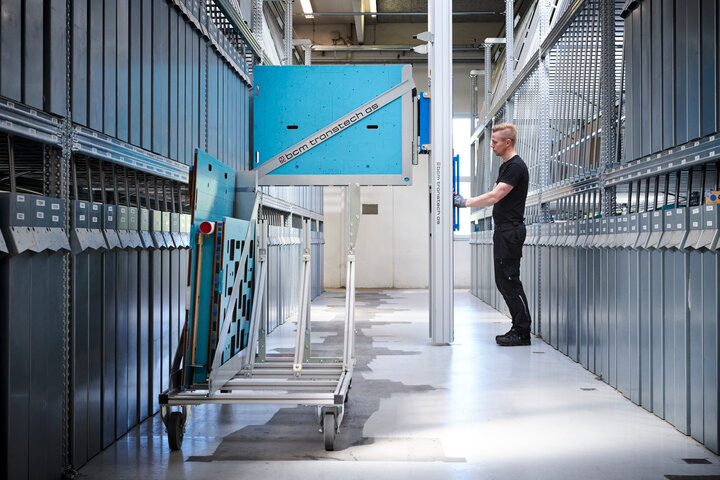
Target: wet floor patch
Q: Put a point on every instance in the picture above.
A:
(294, 433)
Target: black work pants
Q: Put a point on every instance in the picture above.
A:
(507, 246)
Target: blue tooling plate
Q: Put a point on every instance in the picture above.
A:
(234, 232)
(294, 103)
(213, 200)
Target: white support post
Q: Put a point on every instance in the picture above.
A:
(441, 234)
(257, 21)
(353, 221)
(288, 43)
(302, 335)
(509, 55)
(487, 167)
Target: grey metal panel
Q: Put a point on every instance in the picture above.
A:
(96, 66)
(121, 344)
(135, 74)
(156, 326)
(695, 368)
(603, 308)
(547, 283)
(182, 151)
(668, 75)
(708, 64)
(682, 40)
(582, 305)
(190, 105)
(146, 112)
(95, 364)
(682, 347)
(693, 68)
(656, 77)
(32, 54)
(80, 61)
(123, 68)
(144, 338)
(657, 279)
(622, 326)
(202, 141)
(80, 359)
(176, 280)
(212, 106)
(165, 312)
(670, 359)
(109, 315)
(182, 278)
(711, 349)
(571, 316)
(10, 42)
(46, 372)
(645, 328)
(132, 339)
(55, 66)
(110, 68)
(14, 339)
(612, 307)
(642, 94)
(173, 85)
(160, 77)
(633, 320)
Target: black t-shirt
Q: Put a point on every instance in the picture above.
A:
(512, 208)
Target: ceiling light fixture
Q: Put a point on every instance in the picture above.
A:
(373, 7)
(307, 8)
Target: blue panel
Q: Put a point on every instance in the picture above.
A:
(314, 102)
(214, 189)
(214, 197)
(424, 120)
(234, 233)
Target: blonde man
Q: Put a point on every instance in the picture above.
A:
(508, 200)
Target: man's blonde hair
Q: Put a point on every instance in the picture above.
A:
(508, 131)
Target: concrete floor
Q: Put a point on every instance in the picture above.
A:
(472, 410)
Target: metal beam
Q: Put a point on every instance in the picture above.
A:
(288, 60)
(441, 240)
(383, 48)
(359, 21)
(386, 14)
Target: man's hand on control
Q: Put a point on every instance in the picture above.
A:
(459, 201)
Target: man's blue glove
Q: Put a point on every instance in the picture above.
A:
(459, 201)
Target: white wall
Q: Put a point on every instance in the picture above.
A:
(393, 246)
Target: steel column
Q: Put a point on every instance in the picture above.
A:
(441, 243)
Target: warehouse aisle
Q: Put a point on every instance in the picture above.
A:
(470, 411)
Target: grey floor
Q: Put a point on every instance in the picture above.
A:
(472, 410)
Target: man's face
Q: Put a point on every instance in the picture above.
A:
(499, 143)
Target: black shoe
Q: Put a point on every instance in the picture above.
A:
(513, 338)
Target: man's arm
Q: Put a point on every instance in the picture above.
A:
(490, 198)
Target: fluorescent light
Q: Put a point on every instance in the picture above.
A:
(373, 7)
(307, 8)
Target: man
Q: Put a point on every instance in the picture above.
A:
(508, 200)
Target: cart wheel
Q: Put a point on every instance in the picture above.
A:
(329, 430)
(176, 430)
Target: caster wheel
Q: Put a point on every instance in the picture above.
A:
(176, 430)
(329, 431)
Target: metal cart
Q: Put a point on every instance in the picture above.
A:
(253, 376)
